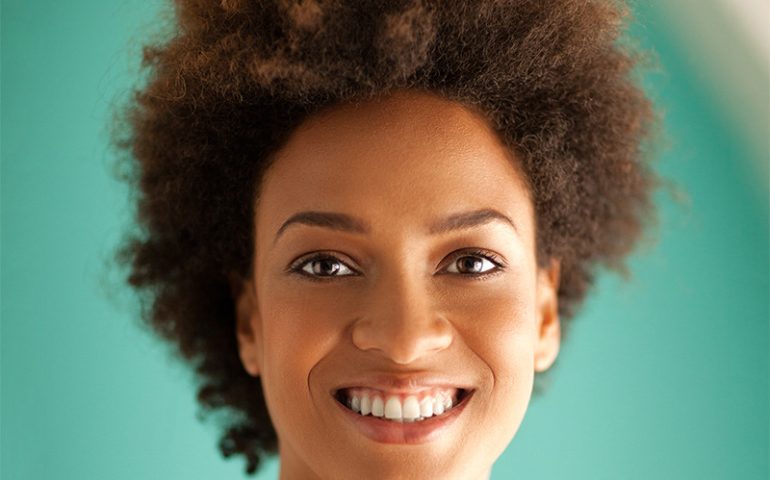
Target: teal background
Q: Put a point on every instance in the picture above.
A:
(665, 376)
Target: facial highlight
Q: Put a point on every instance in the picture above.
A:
(396, 313)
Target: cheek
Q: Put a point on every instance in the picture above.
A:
(300, 315)
(498, 325)
(297, 331)
(299, 327)
(494, 319)
(497, 321)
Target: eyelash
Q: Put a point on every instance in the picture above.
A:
(297, 266)
(492, 257)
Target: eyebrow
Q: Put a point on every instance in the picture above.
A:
(347, 223)
(335, 221)
(464, 220)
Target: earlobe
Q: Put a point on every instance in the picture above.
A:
(549, 325)
(245, 312)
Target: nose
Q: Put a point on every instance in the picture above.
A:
(401, 322)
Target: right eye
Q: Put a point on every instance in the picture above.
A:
(322, 266)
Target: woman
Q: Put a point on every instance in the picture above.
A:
(366, 224)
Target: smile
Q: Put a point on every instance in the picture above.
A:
(403, 416)
(400, 407)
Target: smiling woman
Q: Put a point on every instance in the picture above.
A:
(412, 309)
(366, 223)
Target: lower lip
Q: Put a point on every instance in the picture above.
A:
(388, 431)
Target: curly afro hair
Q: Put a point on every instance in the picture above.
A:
(236, 77)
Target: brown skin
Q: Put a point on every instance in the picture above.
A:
(233, 79)
(404, 309)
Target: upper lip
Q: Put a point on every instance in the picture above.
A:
(403, 382)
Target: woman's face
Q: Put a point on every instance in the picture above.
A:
(394, 275)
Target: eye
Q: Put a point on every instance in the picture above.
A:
(322, 265)
(472, 263)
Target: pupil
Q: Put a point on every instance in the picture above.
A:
(326, 267)
(469, 265)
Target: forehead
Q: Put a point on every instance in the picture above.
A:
(407, 157)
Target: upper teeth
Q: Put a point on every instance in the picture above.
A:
(400, 408)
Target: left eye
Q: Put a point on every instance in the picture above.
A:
(325, 267)
(471, 265)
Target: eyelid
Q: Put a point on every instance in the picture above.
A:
(493, 257)
(295, 266)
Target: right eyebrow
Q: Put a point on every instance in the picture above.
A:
(335, 221)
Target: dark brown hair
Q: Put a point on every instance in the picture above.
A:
(236, 77)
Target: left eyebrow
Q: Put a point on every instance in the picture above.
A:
(465, 220)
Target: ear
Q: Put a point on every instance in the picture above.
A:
(247, 321)
(548, 327)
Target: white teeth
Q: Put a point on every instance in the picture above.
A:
(366, 405)
(378, 409)
(393, 409)
(400, 409)
(438, 406)
(426, 407)
(411, 410)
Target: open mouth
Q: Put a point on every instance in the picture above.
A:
(399, 407)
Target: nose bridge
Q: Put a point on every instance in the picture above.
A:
(402, 321)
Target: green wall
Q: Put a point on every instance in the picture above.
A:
(665, 376)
